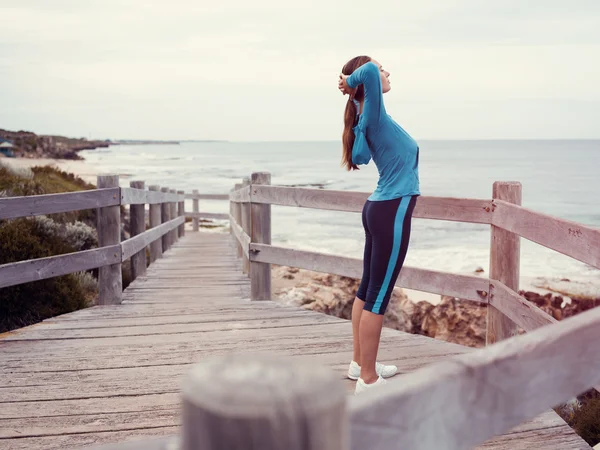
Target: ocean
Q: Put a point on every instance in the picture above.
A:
(560, 178)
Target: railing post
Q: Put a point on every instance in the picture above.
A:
(237, 215)
(165, 212)
(137, 218)
(180, 213)
(229, 402)
(246, 218)
(196, 210)
(260, 273)
(504, 264)
(110, 280)
(173, 215)
(156, 250)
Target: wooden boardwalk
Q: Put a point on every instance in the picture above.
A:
(112, 373)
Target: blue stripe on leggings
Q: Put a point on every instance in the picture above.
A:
(398, 226)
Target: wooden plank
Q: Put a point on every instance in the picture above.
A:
(141, 241)
(207, 215)
(516, 308)
(181, 213)
(462, 286)
(505, 248)
(569, 238)
(39, 269)
(137, 226)
(165, 216)
(173, 234)
(309, 414)
(242, 238)
(110, 282)
(241, 195)
(155, 220)
(442, 208)
(135, 196)
(541, 367)
(35, 205)
(260, 232)
(196, 196)
(196, 208)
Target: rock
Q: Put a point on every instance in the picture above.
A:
(453, 320)
(479, 270)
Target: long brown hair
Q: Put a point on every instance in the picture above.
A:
(351, 112)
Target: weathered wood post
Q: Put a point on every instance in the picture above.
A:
(165, 212)
(173, 215)
(156, 250)
(196, 210)
(137, 215)
(231, 402)
(504, 263)
(260, 273)
(246, 218)
(110, 281)
(180, 213)
(237, 214)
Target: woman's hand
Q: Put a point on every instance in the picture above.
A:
(343, 86)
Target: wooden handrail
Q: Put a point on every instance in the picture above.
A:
(206, 196)
(131, 196)
(135, 244)
(36, 205)
(570, 238)
(470, 398)
(21, 272)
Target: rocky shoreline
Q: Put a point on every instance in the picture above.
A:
(453, 320)
(30, 145)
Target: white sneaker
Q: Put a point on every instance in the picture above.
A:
(381, 370)
(361, 386)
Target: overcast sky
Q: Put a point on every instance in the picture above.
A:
(267, 69)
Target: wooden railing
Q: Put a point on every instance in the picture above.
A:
(166, 220)
(251, 225)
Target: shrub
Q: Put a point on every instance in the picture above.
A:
(77, 235)
(24, 304)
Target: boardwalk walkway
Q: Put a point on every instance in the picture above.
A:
(112, 373)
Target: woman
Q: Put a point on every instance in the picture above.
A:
(369, 133)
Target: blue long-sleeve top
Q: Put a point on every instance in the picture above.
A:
(378, 136)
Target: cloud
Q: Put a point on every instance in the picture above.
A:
(267, 69)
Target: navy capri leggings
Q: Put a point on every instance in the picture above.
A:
(387, 228)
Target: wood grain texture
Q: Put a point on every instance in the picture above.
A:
(137, 213)
(113, 374)
(141, 241)
(569, 238)
(173, 234)
(241, 195)
(242, 238)
(165, 216)
(134, 196)
(243, 393)
(35, 205)
(195, 195)
(53, 266)
(505, 249)
(442, 208)
(110, 283)
(516, 308)
(461, 286)
(181, 213)
(246, 224)
(237, 219)
(436, 404)
(260, 273)
(196, 209)
(155, 220)
(207, 215)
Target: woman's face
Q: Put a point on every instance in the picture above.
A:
(385, 77)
